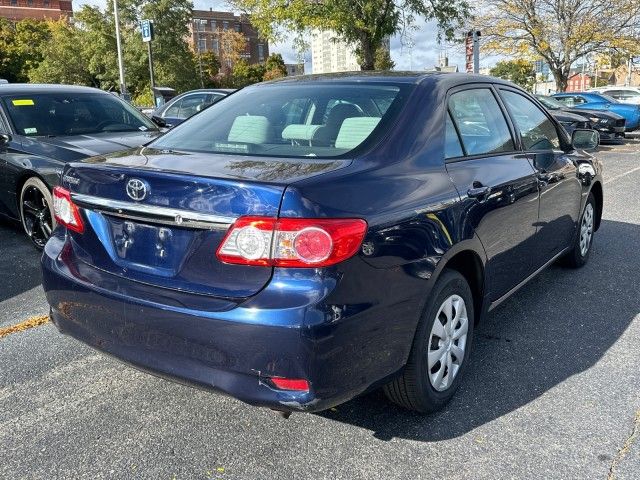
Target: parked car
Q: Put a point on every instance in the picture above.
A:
(309, 239)
(609, 125)
(601, 102)
(179, 108)
(622, 94)
(44, 126)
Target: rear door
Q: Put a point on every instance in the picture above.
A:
(497, 184)
(560, 188)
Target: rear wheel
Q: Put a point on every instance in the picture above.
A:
(581, 248)
(36, 211)
(440, 350)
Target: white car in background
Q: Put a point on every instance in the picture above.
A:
(622, 94)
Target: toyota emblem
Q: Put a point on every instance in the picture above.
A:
(137, 189)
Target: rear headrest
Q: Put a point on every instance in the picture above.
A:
(355, 130)
(299, 132)
(249, 129)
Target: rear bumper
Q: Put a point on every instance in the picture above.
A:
(288, 330)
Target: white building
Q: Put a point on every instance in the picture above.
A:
(330, 54)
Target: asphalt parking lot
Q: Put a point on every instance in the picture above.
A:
(553, 391)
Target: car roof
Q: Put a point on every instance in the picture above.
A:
(35, 88)
(445, 79)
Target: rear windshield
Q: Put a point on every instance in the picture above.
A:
(62, 114)
(285, 120)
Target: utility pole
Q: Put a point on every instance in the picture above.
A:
(123, 86)
(629, 68)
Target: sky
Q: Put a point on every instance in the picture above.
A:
(424, 53)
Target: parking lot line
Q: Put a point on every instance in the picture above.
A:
(24, 325)
(613, 179)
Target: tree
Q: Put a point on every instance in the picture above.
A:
(21, 47)
(520, 72)
(382, 60)
(60, 63)
(274, 67)
(560, 31)
(364, 24)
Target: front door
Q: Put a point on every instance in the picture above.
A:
(560, 187)
(497, 184)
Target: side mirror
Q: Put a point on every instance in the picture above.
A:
(159, 121)
(583, 139)
(5, 138)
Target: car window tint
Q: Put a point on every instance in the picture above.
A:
(452, 147)
(307, 120)
(191, 105)
(566, 101)
(482, 126)
(72, 113)
(537, 131)
(173, 111)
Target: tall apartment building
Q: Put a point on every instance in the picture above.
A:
(330, 54)
(207, 25)
(15, 10)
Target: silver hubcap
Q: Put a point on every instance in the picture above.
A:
(447, 342)
(586, 229)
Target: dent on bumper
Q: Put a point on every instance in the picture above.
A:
(230, 351)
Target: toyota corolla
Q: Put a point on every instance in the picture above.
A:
(311, 239)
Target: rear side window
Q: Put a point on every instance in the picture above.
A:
(482, 126)
(536, 130)
(288, 120)
(452, 147)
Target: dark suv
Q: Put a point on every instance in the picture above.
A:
(309, 239)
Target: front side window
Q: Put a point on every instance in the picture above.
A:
(623, 94)
(61, 114)
(536, 130)
(309, 120)
(482, 126)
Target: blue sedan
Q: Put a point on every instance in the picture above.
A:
(310, 239)
(598, 101)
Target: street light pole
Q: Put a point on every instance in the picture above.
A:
(123, 86)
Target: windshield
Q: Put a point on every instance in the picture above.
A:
(285, 120)
(550, 102)
(62, 114)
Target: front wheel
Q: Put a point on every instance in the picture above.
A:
(440, 350)
(36, 211)
(581, 248)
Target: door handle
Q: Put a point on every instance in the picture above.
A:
(480, 193)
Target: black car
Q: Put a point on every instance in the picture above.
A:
(307, 240)
(42, 127)
(178, 109)
(609, 125)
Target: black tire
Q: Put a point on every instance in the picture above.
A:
(36, 211)
(578, 256)
(414, 388)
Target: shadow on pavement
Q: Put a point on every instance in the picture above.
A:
(559, 325)
(19, 261)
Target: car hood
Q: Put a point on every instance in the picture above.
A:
(227, 166)
(566, 116)
(585, 112)
(76, 147)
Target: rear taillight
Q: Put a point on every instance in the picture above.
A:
(65, 211)
(291, 242)
(294, 384)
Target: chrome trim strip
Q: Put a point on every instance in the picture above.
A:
(153, 213)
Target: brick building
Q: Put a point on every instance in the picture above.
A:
(579, 82)
(15, 10)
(207, 25)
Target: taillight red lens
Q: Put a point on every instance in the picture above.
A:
(291, 242)
(65, 211)
(296, 384)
